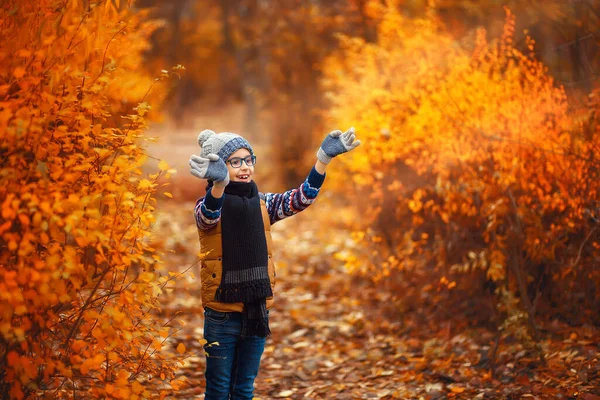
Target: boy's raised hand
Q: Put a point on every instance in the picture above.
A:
(336, 143)
(212, 168)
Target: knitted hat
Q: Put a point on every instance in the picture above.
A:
(222, 144)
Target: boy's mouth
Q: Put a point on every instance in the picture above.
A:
(243, 177)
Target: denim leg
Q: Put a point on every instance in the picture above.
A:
(222, 328)
(247, 362)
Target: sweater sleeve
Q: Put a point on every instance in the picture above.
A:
(291, 202)
(208, 211)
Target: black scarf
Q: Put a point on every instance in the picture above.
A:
(245, 275)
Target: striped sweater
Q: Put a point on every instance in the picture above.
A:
(279, 205)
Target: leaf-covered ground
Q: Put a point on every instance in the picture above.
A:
(336, 337)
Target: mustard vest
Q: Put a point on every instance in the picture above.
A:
(211, 268)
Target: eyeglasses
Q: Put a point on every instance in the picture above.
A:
(236, 162)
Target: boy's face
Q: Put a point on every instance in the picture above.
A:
(243, 173)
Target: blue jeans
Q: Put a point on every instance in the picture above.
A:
(232, 365)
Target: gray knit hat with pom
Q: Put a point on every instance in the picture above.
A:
(222, 144)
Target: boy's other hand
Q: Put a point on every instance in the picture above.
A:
(336, 143)
(212, 168)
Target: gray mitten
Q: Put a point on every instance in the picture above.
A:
(337, 143)
(211, 168)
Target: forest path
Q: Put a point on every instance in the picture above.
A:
(325, 344)
(337, 337)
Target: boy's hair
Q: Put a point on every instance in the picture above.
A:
(222, 144)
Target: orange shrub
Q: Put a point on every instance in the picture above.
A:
(78, 278)
(474, 172)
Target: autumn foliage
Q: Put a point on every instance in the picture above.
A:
(478, 181)
(78, 278)
(475, 190)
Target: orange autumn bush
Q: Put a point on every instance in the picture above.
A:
(78, 278)
(476, 177)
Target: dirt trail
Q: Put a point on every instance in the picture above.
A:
(314, 327)
(321, 346)
(335, 337)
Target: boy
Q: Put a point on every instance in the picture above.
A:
(238, 274)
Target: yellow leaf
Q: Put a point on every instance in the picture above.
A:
(109, 388)
(156, 345)
(137, 387)
(181, 348)
(163, 166)
(169, 195)
(91, 363)
(456, 389)
(19, 72)
(24, 53)
(176, 384)
(145, 184)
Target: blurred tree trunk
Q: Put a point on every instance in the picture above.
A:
(244, 53)
(181, 94)
(294, 117)
(226, 73)
(581, 67)
(368, 28)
